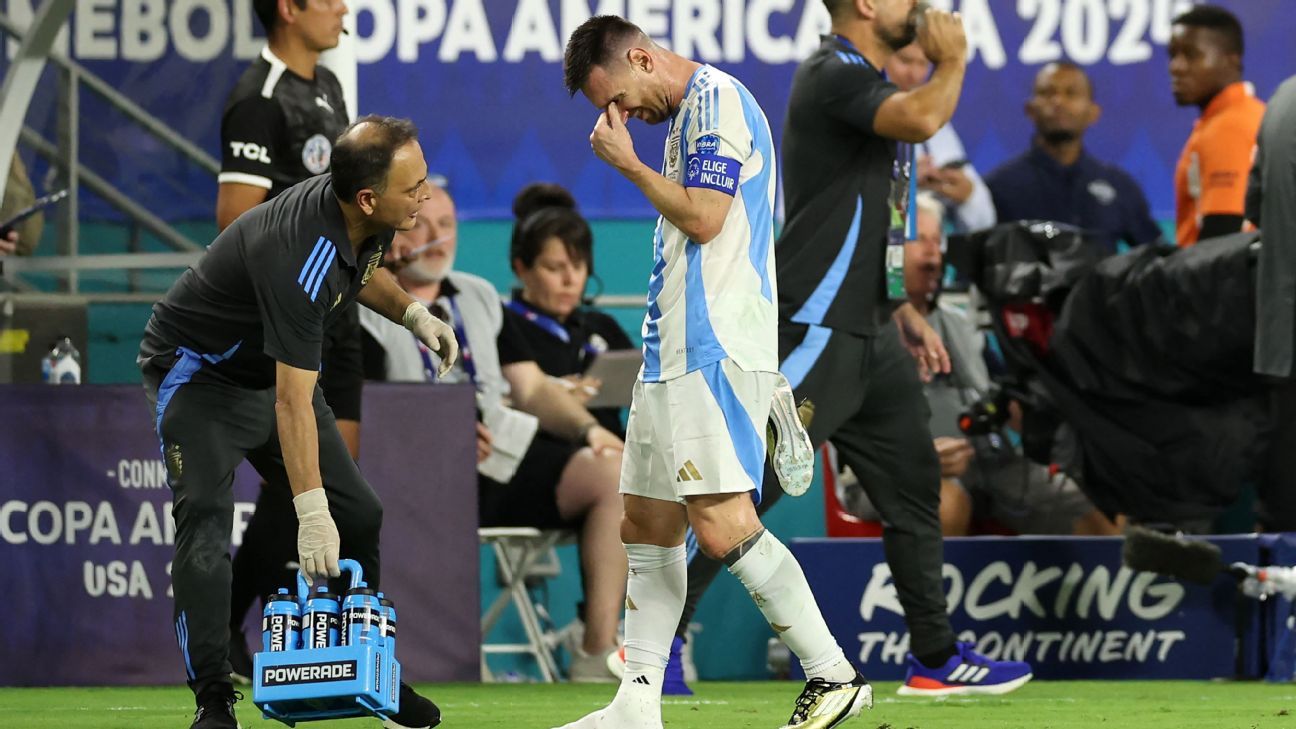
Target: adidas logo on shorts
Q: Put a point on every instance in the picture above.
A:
(688, 473)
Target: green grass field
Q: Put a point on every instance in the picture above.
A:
(1040, 705)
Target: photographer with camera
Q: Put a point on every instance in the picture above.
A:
(982, 472)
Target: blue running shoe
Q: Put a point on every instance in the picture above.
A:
(673, 683)
(965, 673)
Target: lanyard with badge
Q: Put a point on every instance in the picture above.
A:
(554, 328)
(904, 222)
(465, 351)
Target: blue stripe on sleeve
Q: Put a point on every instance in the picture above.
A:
(323, 271)
(310, 262)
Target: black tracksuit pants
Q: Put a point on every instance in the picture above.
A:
(206, 430)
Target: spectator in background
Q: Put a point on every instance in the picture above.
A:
(552, 254)
(1206, 49)
(19, 195)
(981, 474)
(1270, 197)
(569, 475)
(277, 130)
(943, 166)
(1058, 180)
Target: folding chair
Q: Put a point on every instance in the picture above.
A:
(517, 552)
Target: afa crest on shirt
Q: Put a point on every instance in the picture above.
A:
(372, 266)
(317, 152)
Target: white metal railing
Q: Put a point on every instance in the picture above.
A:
(64, 155)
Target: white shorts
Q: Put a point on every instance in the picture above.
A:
(702, 433)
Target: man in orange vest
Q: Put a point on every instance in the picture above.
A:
(1206, 51)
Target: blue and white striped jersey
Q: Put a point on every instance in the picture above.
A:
(708, 302)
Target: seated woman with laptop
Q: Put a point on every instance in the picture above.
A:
(552, 255)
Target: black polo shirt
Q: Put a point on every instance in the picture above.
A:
(837, 180)
(589, 332)
(266, 289)
(278, 128)
(1089, 194)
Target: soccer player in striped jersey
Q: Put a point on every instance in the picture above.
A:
(695, 446)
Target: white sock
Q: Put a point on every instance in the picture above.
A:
(655, 593)
(776, 583)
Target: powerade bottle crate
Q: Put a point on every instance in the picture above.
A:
(350, 671)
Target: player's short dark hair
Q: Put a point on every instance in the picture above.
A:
(592, 44)
(362, 159)
(1219, 20)
(544, 210)
(267, 11)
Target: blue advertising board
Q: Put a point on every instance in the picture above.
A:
(1064, 604)
(87, 535)
(483, 79)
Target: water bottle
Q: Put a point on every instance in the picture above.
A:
(320, 620)
(281, 623)
(360, 615)
(62, 366)
(388, 622)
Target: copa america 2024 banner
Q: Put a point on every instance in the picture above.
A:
(483, 79)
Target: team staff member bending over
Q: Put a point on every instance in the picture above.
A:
(230, 360)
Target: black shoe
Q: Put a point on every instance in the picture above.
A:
(216, 708)
(415, 712)
(240, 659)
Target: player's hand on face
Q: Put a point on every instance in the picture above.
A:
(611, 139)
(941, 36)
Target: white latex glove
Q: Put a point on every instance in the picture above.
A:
(434, 333)
(317, 536)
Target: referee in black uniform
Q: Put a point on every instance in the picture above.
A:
(230, 360)
(843, 332)
(277, 130)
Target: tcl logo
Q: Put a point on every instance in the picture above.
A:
(250, 151)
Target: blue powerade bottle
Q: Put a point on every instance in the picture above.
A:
(321, 620)
(388, 622)
(281, 622)
(360, 613)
